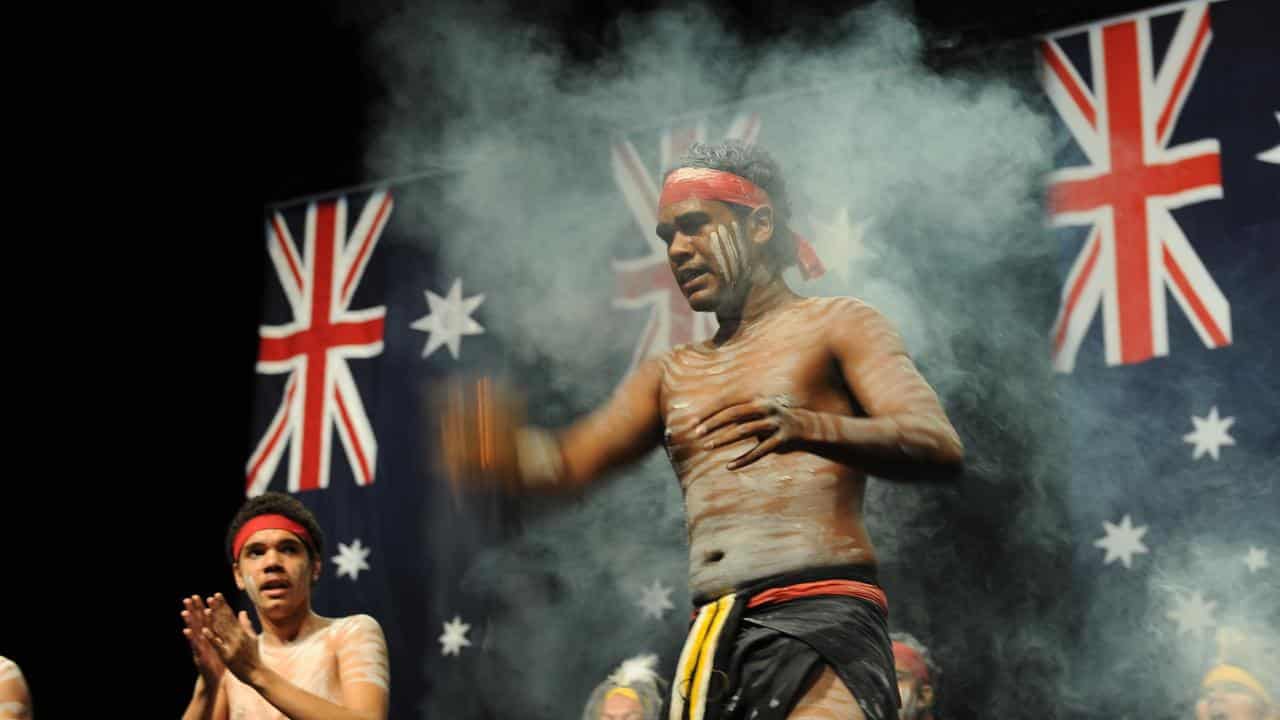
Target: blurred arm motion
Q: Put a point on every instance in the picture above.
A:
(486, 443)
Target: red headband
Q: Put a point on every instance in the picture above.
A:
(266, 522)
(708, 184)
(906, 656)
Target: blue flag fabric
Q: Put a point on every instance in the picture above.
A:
(1167, 196)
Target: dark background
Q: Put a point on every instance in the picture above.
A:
(144, 434)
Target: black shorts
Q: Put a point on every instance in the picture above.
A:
(763, 659)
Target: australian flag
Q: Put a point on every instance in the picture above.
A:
(1167, 200)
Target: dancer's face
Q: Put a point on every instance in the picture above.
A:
(618, 706)
(277, 572)
(706, 262)
(917, 695)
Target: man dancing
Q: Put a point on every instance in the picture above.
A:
(771, 427)
(302, 666)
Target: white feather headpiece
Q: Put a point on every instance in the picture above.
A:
(639, 669)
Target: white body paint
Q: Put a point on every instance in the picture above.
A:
(251, 588)
(9, 670)
(786, 511)
(908, 710)
(722, 257)
(730, 253)
(354, 643)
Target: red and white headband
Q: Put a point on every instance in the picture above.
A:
(267, 522)
(708, 184)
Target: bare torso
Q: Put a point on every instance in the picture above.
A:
(790, 509)
(336, 652)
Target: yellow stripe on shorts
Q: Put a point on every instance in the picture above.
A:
(694, 669)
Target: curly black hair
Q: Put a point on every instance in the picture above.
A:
(757, 165)
(274, 503)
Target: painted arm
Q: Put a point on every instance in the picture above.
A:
(364, 670)
(906, 434)
(619, 433)
(485, 442)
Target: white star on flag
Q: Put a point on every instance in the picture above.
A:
(454, 637)
(448, 319)
(1272, 155)
(1256, 559)
(351, 559)
(1192, 613)
(655, 600)
(840, 242)
(1122, 541)
(1210, 434)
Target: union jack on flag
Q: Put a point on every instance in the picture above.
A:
(1123, 121)
(646, 281)
(320, 395)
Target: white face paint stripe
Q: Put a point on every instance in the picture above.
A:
(727, 249)
(738, 249)
(732, 250)
(718, 247)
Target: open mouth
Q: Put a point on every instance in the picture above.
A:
(274, 588)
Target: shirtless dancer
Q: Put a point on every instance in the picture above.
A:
(771, 427)
(302, 666)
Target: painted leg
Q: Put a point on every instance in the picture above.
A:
(827, 699)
